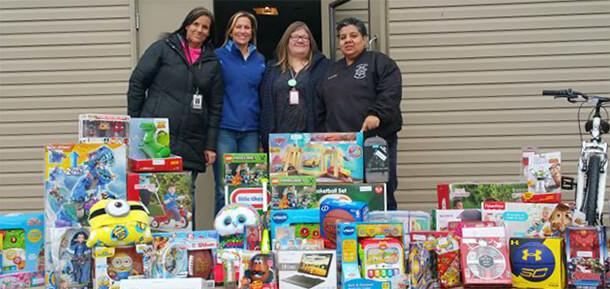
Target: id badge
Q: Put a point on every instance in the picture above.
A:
(197, 101)
(294, 97)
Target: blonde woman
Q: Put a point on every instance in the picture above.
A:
(289, 85)
(242, 69)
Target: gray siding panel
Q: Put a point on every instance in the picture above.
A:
(473, 71)
(57, 59)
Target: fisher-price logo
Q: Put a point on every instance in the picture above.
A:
(280, 218)
(494, 206)
(348, 230)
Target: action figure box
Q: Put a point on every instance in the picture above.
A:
(185, 255)
(245, 169)
(68, 260)
(374, 194)
(149, 146)
(168, 197)
(293, 192)
(257, 271)
(294, 224)
(113, 264)
(543, 175)
(442, 218)
(330, 157)
(537, 263)
(77, 176)
(334, 211)
(531, 219)
(371, 255)
(307, 269)
(103, 128)
(471, 195)
(21, 250)
(414, 220)
(585, 256)
(485, 257)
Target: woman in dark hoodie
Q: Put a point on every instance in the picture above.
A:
(289, 84)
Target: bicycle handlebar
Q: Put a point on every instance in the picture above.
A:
(575, 96)
(562, 92)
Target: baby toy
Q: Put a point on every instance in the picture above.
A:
(231, 222)
(118, 223)
(381, 258)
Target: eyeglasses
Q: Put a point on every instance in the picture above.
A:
(303, 38)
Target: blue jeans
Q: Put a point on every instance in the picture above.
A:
(230, 141)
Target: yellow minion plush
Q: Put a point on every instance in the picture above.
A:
(118, 223)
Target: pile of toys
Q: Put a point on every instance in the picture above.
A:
(310, 214)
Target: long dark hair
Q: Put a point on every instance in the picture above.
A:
(191, 17)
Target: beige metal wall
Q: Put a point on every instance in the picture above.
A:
(58, 59)
(473, 71)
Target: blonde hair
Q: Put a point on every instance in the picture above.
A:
(281, 50)
(233, 22)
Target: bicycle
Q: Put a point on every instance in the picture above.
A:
(593, 162)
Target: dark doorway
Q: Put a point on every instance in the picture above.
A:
(270, 28)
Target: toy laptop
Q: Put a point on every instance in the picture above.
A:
(585, 256)
(167, 196)
(330, 157)
(307, 269)
(149, 146)
(374, 194)
(68, 261)
(471, 195)
(485, 257)
(77, 176)
(21, 250)
(537, 263)
(245, 169)
(292, 192)
(103, 128)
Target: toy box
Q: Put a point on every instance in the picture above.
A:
(607, 256)
(185, 255)
(584, 256)
(485, 257)
(531, 219)
(307, 269)
(444, 258)
(376, 160)
(471, 195)
(443, 217)
(372, 194)
(414, 220)
(103, 128)
(149, 146)
(334, 211)
(113, 264)
(543, 176)
(537, 263)
(77, 176)
(68, 259)
(245, 169)
(371, 255)
(422, 269)
(294, 224)
(252, 196)
(238, 227)
(330, 157)
(167, 196)
(21, 250)
(292, 192)
(257, 271)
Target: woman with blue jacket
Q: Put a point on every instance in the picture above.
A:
(242, 69)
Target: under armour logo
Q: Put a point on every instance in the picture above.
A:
(527, 254)
(361, 71)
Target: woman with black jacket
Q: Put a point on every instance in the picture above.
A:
(179, 78)
(289, 84)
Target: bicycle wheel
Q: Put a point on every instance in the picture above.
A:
(591, 190)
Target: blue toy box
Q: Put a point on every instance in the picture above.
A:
(21, 250)
(334, 211)
(330, 157)
(294, 224)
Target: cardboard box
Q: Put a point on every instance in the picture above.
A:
(293, 192)
(257, 270)
(115, 264)
(103, 128)
(330, 157)
(333, 212)
(373, 194)
(245, 169)
(585, 256)
(485, 257)
(543, 175)
(68, 261)
(307, 269)
(168, 197)
(295, 224)
(537, 263)
(414, 220)
(149, 146)
(442, 218)
(22, 250)
(471, 195)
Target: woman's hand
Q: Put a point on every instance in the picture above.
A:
(371, 122)
(210, 157)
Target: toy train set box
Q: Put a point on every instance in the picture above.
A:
(537, 263)
(307, 269)
(21, 250)
(471, 195)
(330, 157)
(168, 197)
(149, 146)
(79, 175)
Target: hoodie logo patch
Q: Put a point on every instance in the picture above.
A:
(361, 71)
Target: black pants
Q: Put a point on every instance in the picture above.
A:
(193, 193)
(393, 180)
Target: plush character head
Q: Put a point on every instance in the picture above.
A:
(118, 223)
(233, 219)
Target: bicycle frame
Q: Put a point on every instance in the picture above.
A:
(593, 147)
